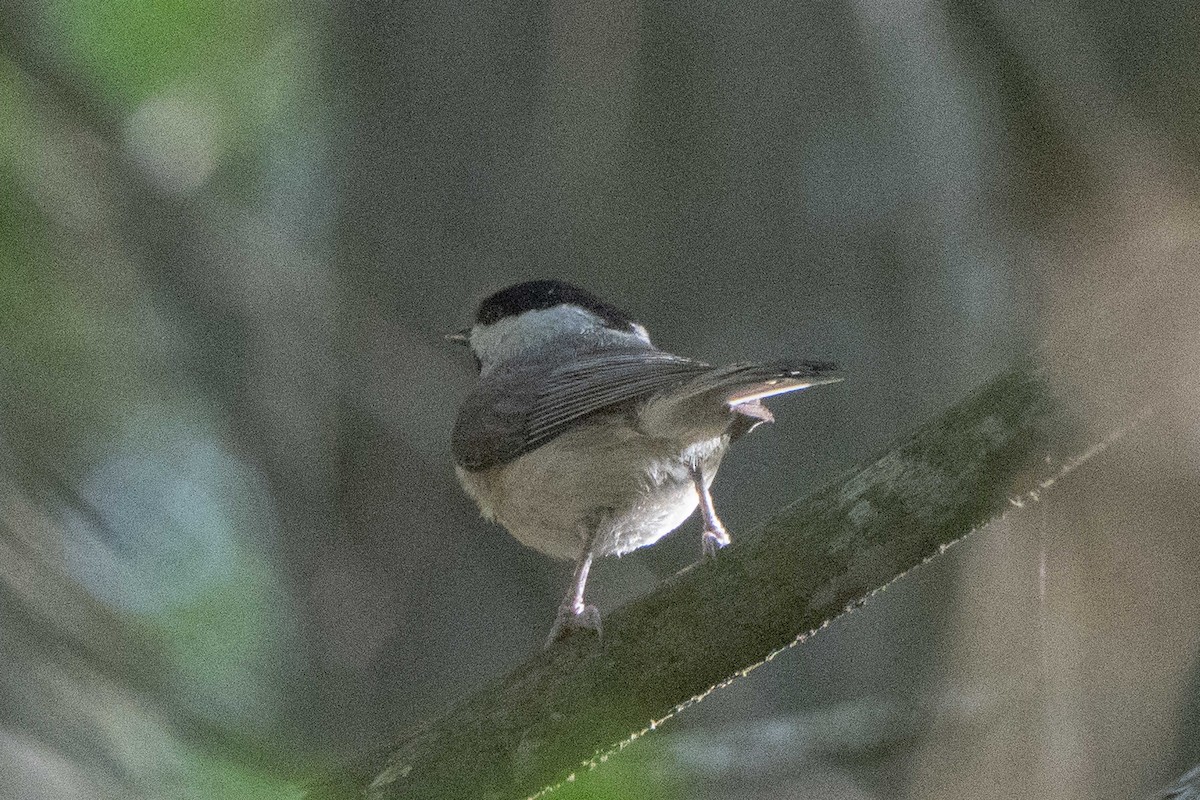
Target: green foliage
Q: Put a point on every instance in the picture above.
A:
(135, 48)
(643, 769)
(202, 777)
(92, 390)
(224, 645)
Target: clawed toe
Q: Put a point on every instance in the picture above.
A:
(571, 620)
(712, 540)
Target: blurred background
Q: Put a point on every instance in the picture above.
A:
(232, 235)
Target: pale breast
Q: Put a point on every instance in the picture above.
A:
(607, 476)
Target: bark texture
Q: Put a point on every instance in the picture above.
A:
(812, 561)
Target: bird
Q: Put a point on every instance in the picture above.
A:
(583, 439)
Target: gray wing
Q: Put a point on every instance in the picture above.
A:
(512, 414)
(602, 382)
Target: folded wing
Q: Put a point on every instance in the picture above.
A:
(518, 412)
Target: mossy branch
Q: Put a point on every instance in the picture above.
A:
(773, 587)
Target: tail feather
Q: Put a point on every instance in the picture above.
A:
(791, 380)
(749, 383)
(742, 387)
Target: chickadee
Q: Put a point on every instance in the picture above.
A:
(583, 439)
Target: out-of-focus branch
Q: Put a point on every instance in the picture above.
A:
(812, 562)
(179, 241)
(69, 92)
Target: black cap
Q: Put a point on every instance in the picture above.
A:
(547, 293)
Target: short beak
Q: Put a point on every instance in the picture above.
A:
(459, 337)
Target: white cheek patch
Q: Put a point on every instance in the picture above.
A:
(512, 337)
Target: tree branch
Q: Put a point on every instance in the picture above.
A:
(809, 564)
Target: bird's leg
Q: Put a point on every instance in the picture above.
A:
(715, 536)
(573, 614)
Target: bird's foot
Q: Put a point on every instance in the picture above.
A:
(574, 618)
(712, 540)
